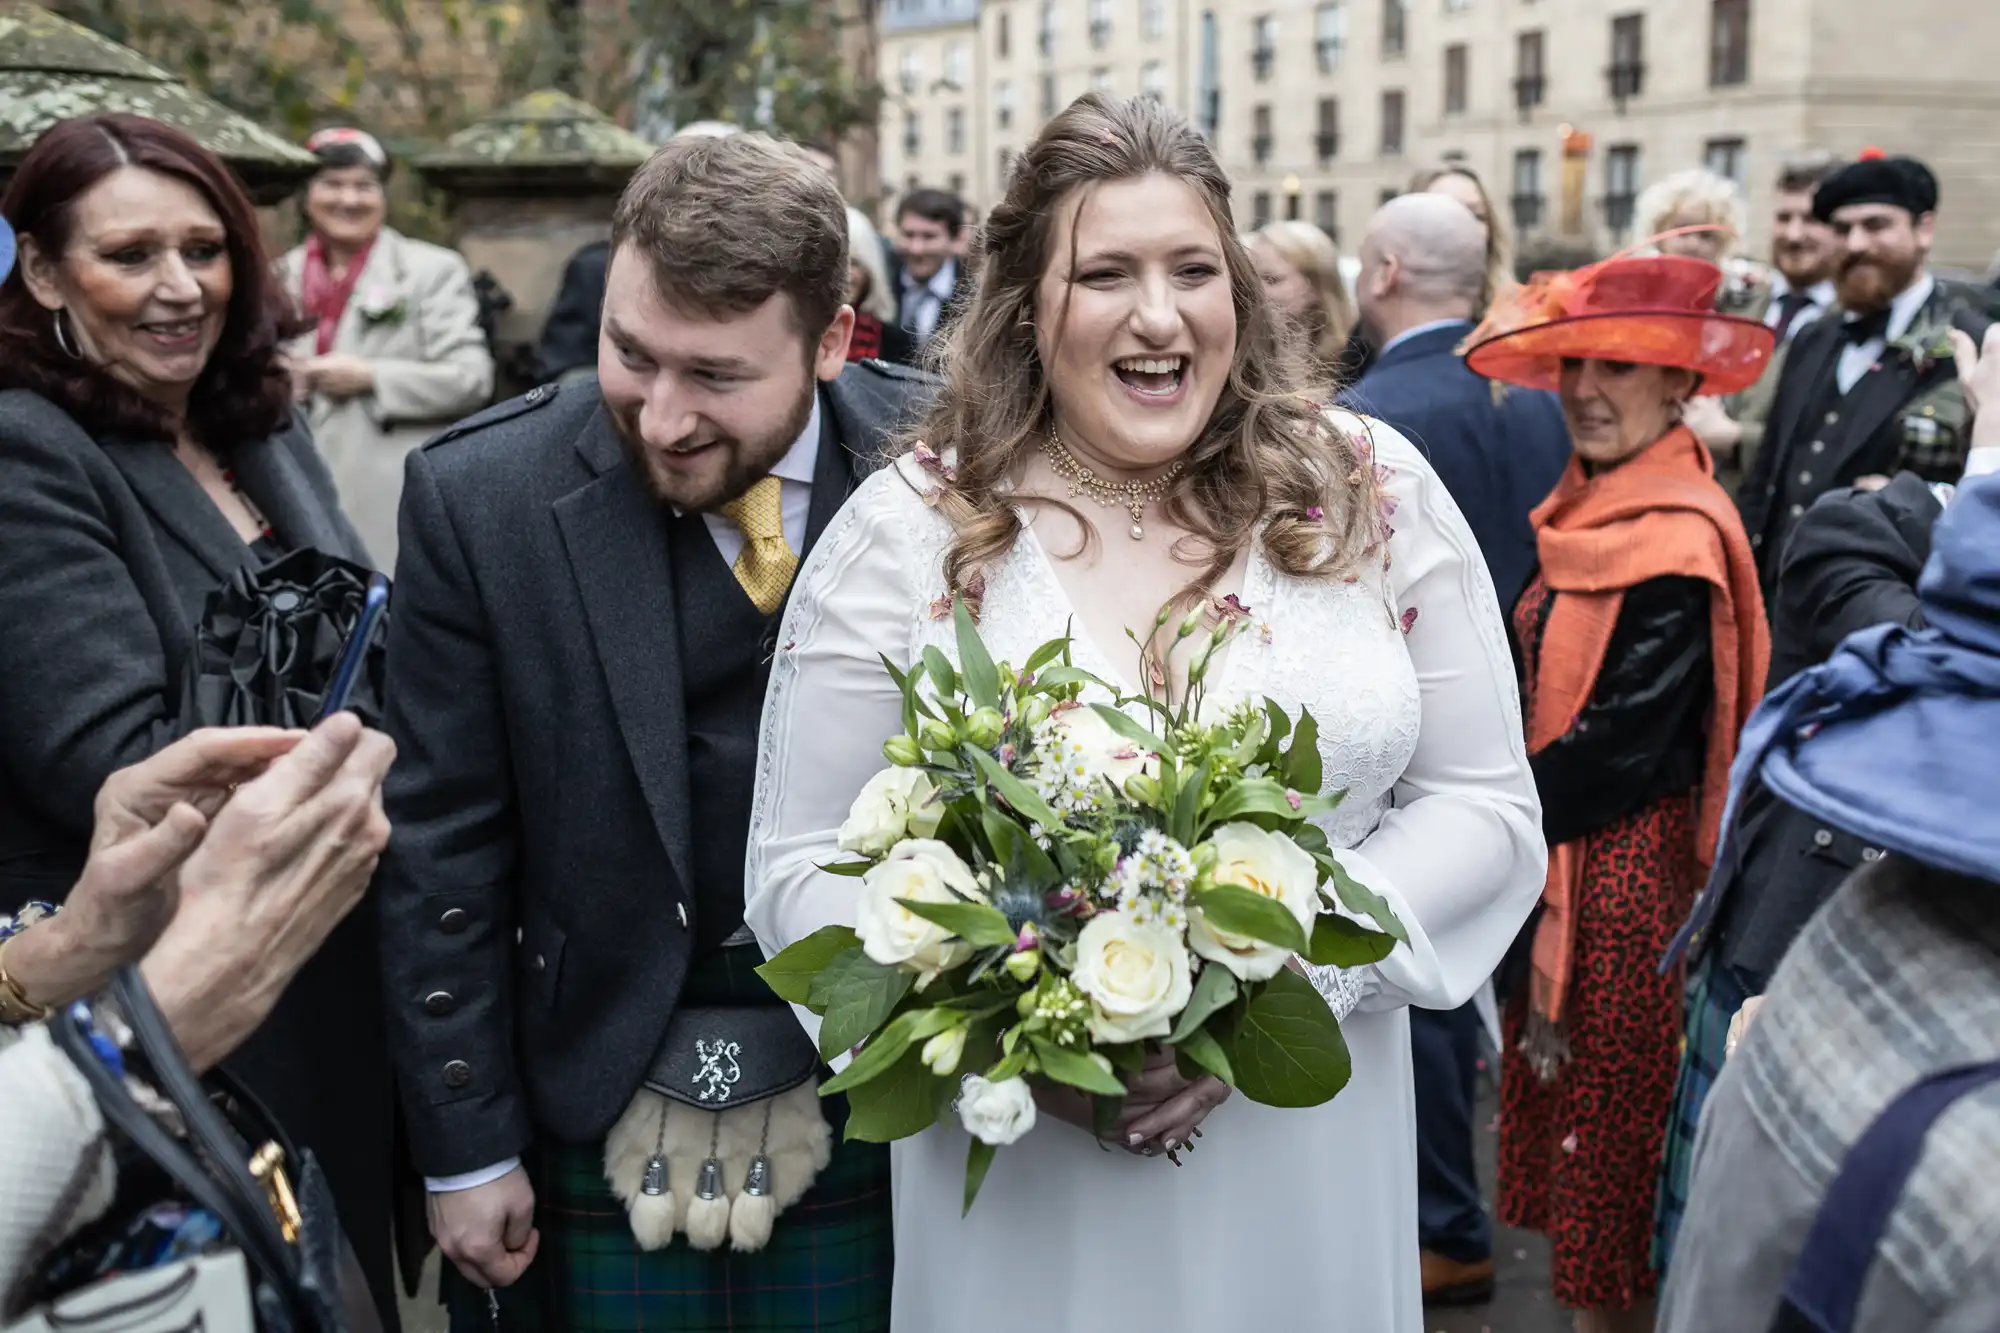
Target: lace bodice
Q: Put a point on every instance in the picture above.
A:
(1379, 661)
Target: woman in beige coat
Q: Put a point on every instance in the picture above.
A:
(398, 352)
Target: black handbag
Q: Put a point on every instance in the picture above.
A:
(210, 1145)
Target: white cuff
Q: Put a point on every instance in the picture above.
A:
(470, 1180)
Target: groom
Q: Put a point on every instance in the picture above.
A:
(587, 601)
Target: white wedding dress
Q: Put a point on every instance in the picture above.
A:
(1282, 1219)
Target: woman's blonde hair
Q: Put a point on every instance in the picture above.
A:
(1267, 466)
(1313, 253)
(1689, 198)
(1499, 236)
(864, 247)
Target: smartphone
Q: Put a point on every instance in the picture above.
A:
(354, 652)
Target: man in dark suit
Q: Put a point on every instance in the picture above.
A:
(1499, 452)
(588, 601)
(1874, 391)
(928, 266)
(569, 336)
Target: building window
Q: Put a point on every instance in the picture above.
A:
(1326, 213)
(1726, 158)
(913, 134)
(1100, 23)
(1153, 18)
(1045, 37)
(1385, 194)
(954, 130)
(1729, 43)
(1621, 186)
(1395, 26)
(1153, 81)
(910, 71)
(1264, 54)
(956, 183)
(1208, 115)
(912, 183)
(1531, 83)
(1048, 95)
(1260, 209)
(1006, 177)
(1392, 124)
(1003, 103)
(1627, 74)
(1527, 194)
(1100, 80)
(1456, 6)
(1455, 79)
(956, 65)
(1330, 27)
(1003, 37)
(1260, 136)
(1326, 140)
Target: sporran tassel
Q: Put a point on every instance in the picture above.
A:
(708, 1211)
(755, 1212)
(652, 1208)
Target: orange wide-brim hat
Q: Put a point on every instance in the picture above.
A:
(1655, 309)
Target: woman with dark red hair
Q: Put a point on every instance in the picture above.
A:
(149, 450)
(1643, 645)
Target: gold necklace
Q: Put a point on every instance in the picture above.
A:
(1132, 496)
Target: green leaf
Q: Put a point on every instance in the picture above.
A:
(896, 1105)
(977, 924)
(854, 995)
(942, 676)
(1079, 1071)
(790, 975)
(1016, 792)
(1274, 741)
(1214, 989)
(1104, 1113)
(1069, 675)
(982, 678)
(1025, 862)
(1338, 941)
(886, 1047)
(1129, 729)
(1129, 1056)
(1252, 796)
(1302, 761)
(1358, 898)
(1187, 803)
(1286, 1048)
(896, 673)
(1205, 1053)
(849, 869)
(977, 1159)
(1237, 910)
(1044, 655)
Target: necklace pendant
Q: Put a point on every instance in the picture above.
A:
(1138, 532)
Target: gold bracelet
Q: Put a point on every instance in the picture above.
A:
(16, 1009)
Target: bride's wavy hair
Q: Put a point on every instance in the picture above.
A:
(1267, 455)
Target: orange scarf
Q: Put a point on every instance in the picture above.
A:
(1657, 514)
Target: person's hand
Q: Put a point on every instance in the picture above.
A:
(1979, 381)
(338, 375)
(1874, 481)
(1707, 418)
(286, 858)
(1740, 1024)
(1170, 1123)
(488, 1231)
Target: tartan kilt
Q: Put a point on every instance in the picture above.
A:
(827, 1267)
(1713, 997)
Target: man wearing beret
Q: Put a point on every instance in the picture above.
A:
(1873, 391)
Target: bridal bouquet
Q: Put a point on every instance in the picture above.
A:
(1047, 886)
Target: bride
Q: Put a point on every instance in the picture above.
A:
(1119, 429)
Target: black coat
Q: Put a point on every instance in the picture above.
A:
(537, 909)
(111, 550)
(569, 336)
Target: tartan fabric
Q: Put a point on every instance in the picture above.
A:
(826, 1270)
(1713, 997)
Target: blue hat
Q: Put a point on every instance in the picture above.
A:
(6, 249)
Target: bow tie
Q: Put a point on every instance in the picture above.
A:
(1867, 328)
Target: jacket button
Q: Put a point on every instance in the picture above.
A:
(1832, 418)
(681, 910)
(457, 1073)
(534, 396)
(439, 1003)
(1756, 540)
(1798, 511)
(454, 921)
(1871, 853)
(1819, 446)
(1805, 478)
(538, 964)
(1822, 839)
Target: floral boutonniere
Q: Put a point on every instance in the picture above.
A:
(1924, 347)
(381, 306)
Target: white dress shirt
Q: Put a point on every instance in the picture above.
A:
(923, 302)
(1820, 298)
(795, 473)
(1859, 359)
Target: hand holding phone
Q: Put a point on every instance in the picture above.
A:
(354, 652)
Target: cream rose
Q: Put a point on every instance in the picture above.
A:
(1262, 862)
(1136, 975)
(920, 870)
(896, 803)
(996, 1113)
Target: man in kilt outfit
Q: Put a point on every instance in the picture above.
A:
(587, 601)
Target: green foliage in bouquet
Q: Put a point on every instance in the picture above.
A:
(1048, 887)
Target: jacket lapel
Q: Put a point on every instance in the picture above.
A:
(1873, 400)
(615, 534)
(278, 487)
(1813, 358)
(177, 500)
(382, 273)
(833, 476)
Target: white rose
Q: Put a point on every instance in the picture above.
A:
(894, 804)
(996, 1113)
(1266, 863)
(920, 870)
(1136, 975)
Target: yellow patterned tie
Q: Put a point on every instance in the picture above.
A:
(767, 562)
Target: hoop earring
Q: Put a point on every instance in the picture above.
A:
(63, 338)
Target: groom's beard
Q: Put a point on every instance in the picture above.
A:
(707, 469)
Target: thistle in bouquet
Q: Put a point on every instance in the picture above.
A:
(1057, 877)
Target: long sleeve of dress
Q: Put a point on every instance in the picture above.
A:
(1460, 855)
